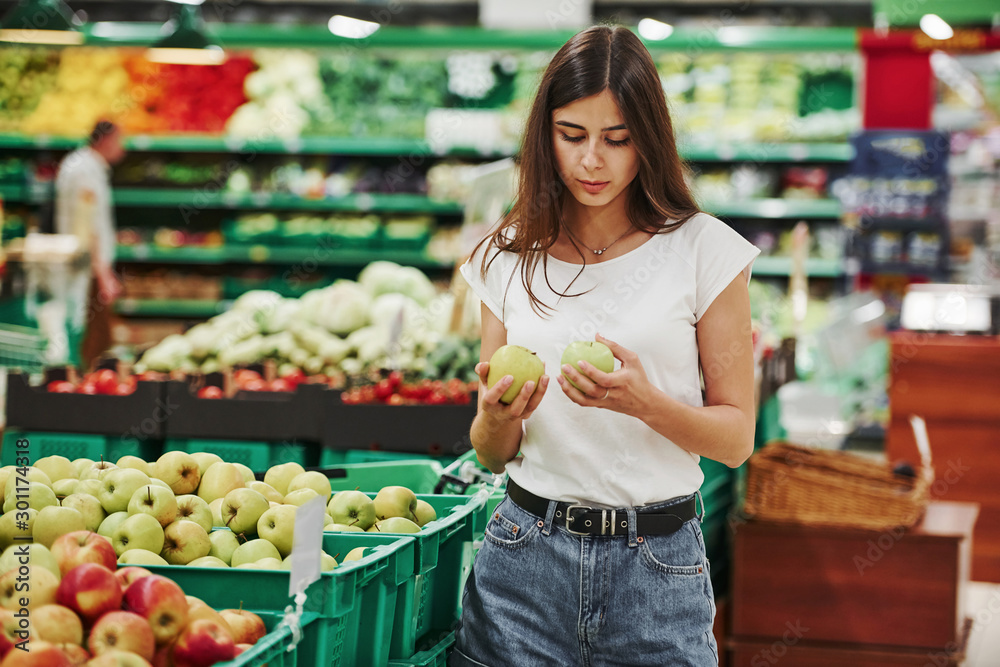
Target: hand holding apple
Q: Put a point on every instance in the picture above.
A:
(626, 390)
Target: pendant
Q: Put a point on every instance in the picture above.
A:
(600, 252)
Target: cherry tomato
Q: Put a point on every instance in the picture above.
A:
(124, 389)
(210, 391)
(61, 387)
(87, 388)
(396, 399)
(244, 375)
(383, 390)
(395, 379)
(105, 381)
(295, 377)
(254, 384)
(281, 384)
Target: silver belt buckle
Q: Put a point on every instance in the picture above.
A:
(570, 518)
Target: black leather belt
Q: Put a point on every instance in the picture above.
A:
(584, 520)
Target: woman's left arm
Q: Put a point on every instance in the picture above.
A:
(722, 430)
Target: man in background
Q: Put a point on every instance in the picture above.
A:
(84, 208)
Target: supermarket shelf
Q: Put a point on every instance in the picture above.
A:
(775, 208)
(769, 152)
(12, 192)
(179, 308)
(782, 266)
(157, 255)
(261, 254)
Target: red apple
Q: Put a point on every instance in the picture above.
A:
(242, 647)
(41, 653)
(203, 643)
(90, 590)
(118, 659)
(161, 602)
(210, 391)
(247, 626)
(57, 624)
(122, 631)
(76, 654)
(163, 656)
(126, 575)
(11, 632)
(198, 609)
(83, 546)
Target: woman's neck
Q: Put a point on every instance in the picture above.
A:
(596, 226)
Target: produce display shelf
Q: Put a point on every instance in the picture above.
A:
(782, 266)
(261, 254)
(775, 208)
(769, 152)
(193, 308)
(12, 191)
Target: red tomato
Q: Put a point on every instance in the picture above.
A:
(295, 377)
(105, 381)
(210, 391)
(395, 379)
(383, 390)
(396, 399)
(87, 388)
(244, 374)
(281, 384)
(124, 389)
(254, 384)
(61, 387)
(436, 398)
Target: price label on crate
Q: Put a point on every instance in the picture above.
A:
(307, 546)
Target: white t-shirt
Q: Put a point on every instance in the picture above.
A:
(83, 201)
(647, 300)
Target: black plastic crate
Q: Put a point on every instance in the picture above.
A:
(438, 430)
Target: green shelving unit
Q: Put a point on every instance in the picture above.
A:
(171, 308)
(261, 254)
(775, 208)
(782, 266)
(769, 152)
(11, 192)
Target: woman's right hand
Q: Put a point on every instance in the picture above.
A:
(523, 404)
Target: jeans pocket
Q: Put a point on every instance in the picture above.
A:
(677, 554)
(510, 526)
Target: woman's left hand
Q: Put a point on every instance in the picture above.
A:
(625, 390)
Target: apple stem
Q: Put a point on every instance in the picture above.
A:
(337, 556)
(241, 607)
(353, 522)
(149, 493)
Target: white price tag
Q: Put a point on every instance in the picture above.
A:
(308, 546)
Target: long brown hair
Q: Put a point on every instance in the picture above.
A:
(659, 200)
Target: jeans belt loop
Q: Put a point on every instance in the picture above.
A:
(550, 514)
(698, 500)
(632, 536)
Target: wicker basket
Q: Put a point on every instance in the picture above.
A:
(832, 488)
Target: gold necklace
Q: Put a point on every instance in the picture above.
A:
(602, 250)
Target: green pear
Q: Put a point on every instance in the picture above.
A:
(520, 363)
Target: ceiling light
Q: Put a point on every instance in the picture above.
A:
(936, 27)
(345, 26)
(186, 41)
(41, 22)
(654, 30)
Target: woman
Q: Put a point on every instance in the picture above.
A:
(595, 556)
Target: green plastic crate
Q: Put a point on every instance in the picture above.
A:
(435, 656)
(76, 446)
(355, 604)
(336, 457)
(254, 455)
(418, 476)
(271, 650)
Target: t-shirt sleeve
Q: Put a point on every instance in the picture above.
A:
(490, 290)
(719, 254)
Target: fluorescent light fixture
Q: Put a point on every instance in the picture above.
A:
(345, 26)
(936, 27)
(212, 55)
(654, 30)
(41, 22)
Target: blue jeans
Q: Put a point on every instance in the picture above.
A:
(540, 596)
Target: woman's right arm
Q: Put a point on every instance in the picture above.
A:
(496, 430)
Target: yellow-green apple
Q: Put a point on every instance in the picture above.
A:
(157, 502)
(352, 508)
(55, 521)
(247, 627)
(326, 562)
(90, 590)
(357, 553)
(277, 526)
(218, 480)
(82, 464)
(82, 546)
(161, 602)
(179, 470)
(215, 507)
(397, 524)
(38, 497)
(208, 561)
(29, 554)
(134, 462)
(343, 528)
(122, 631)
(253, 551)
(117, 658)
(139, 531)
(395, 501)
(5, 472)
(141, 557)
(126, 575)
(425, 512)
(203, 642)
(57, 624)
(89, 507)
(91, 487)
(193, 508)
(38, 586)
(300, 497)
(159, 482)
(15, 527)
(224, 543)
(266, 490)
(279, 476)
(327, 520)
(205, 460)
(242, 508)
(42, 654)
(248, 475)
(111, 523)
(184, 541)
(198, 609)
(65, 487)
(520, 363)
(267, 563)
(97, 470)
(120, 485)
(57, 467)
(593, 352)
(311, 479)
(23, 478)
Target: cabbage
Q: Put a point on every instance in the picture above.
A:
(202, 338)
(385, 309)
(244, 352)
(281, 316)
(343, 308)
(168, 355)
(412, 282)
(378, 277)
(333, 350)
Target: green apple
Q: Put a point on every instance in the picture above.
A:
(242, 508)
(342, 528)
(250, 566)
(356, 553)
(218, 480)
(281, 475)
(223, 544)
(135, 463)
(266, 490)
(54, 521)
(159, 482)
(16, 530)
(32, 475)
(352, 508)
(248, 475)
(82, 464)
(215, 507)
(89, 507)
(141, 557)
(120, 485)
(91, 487)
(179, 470)
(269, 563)
(594, 353)
(155, 501)
(425, 512)
(520, 363)
(138, 531)
(184, 541)
(37, 554)
(395, 501)
(193, 508)
(300, 497)
(312, 479)
(326, 562)
(205, 460)
(5, 472)
(97, 470)
(327, 520)
(397, 524)
(65, 487)
(38, 496)
(253, 551)
(277, 526)
(111, 523)
(207, 561)
(57, 467)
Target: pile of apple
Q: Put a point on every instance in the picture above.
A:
(81, 611)
(173, 511)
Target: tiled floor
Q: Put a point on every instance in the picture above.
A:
(983, 605)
